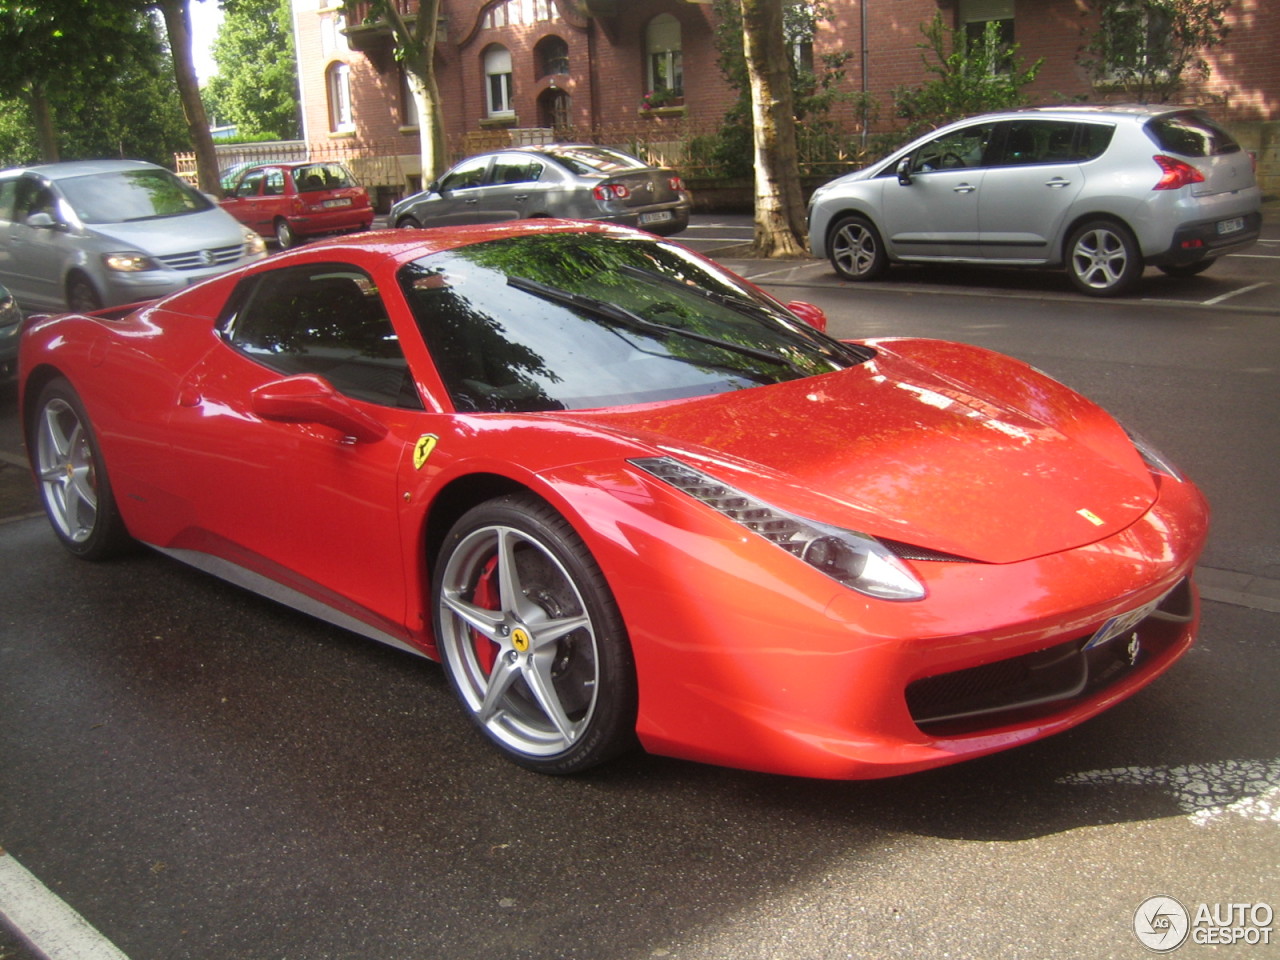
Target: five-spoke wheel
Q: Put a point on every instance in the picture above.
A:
(73, 483)
(532, 639)
(1103, 259)
(856, 250)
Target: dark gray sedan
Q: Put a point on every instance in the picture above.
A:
(577, 181)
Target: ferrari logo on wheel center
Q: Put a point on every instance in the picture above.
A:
(520, 639)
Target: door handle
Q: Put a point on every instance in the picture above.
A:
(471, 201)
(964, 188)
(522, 197)
(1057, 182)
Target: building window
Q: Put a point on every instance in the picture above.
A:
(1136, 40)
(497, 75)
(552, 56)
(338, 83)
(408, 105)
(989, 22)
(662, 44)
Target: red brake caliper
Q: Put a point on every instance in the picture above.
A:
(487, 597)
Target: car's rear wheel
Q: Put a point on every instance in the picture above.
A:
(1188, 269)
(408, 223)
(1103, 259)
(73, 479)
(285, 235)
(82, 296)
(532, 639)
(856, 250)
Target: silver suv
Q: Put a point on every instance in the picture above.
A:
(1103, 191)
(97, 233)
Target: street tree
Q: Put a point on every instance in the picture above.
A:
(177, 20)
(256, 86)
(415, 47)
(1149, 49)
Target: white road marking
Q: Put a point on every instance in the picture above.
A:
(1206, 792)
(39, 917)
(1235, 293)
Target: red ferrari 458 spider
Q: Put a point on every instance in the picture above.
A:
(625, 496)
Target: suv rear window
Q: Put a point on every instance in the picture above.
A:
(1191, 135)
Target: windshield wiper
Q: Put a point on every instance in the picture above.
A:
(634, 321)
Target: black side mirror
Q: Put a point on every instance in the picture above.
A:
(904, 171)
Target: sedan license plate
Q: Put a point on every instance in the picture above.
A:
(1230, 226)
(1123, 623)
(655, 217)
(343, 202)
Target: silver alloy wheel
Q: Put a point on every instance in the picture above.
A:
(1100, 258)
(856, 250)
(285, 235)
(67, 471)
(519, 641)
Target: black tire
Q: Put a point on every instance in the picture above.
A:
(1103, 259)
(408, 223)
(1188, 269)
(855, 249)
(74, 486)
(82, 296)
(285, 235)
(543, 668)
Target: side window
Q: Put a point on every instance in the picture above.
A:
(249, 185)
(8, 191)
(958, 150)
(274, 186)
(34, 197)
(515, 169)
(1038, 141)
(325, 319)
(1094, 138)
(467, 174)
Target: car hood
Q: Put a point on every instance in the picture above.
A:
(167, 235)
(939, 445)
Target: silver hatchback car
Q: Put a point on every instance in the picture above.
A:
(1103, 191)
(96, 233)
(577, 181)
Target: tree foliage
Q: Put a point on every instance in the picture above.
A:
(256, 86)
(970, 77)
(1149, 49)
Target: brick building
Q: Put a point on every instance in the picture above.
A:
(530, 70)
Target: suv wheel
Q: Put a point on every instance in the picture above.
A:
(856, 250)
(1103, 259)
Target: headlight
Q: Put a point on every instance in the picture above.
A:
(854, 559)
(1156, 461)
(128, 262)
(253, 244)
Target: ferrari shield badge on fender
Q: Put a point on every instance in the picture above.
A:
(422, 449)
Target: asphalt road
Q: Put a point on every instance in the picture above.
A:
(203, 774)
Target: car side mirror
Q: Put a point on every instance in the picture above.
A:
(308, 398)
(810, 314)
(42, 221)
(904, 171)
(434, 187)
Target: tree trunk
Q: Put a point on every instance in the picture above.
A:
(418, 48)
(42, 116)
(178, 24)
(780, 215)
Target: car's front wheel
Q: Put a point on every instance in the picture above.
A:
(82, 296)
(856, 250)
(408, 223)
(1103, 259)
(73, 479)
(532, 639)
(285, 235)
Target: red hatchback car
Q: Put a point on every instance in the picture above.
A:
(292, 201)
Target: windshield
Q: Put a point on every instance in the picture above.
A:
(569, 321)
(588, 161)
(322, 176)
(130, 195)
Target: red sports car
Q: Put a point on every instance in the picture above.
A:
(625, 496)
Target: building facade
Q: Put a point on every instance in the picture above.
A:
(643, 74)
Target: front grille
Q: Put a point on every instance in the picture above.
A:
(1043, 681)
(198, 259)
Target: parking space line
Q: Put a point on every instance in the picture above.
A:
(1236, 293)
(43, 920)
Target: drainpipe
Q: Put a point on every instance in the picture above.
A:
(866, 50)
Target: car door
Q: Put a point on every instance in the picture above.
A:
(291, 433)
(1030, 186)
(930, 210)
(511, 190)
(244, 201)
(38, 251)
(457, 198)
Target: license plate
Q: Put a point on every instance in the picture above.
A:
(344, 202)
(655, 217)
(1123, 623)
(1230, 226)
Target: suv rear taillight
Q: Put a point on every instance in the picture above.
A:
(1177, 173)
(676, 184)
(611, 191)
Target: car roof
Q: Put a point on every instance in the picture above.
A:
(1089, 111)
(83, 168)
